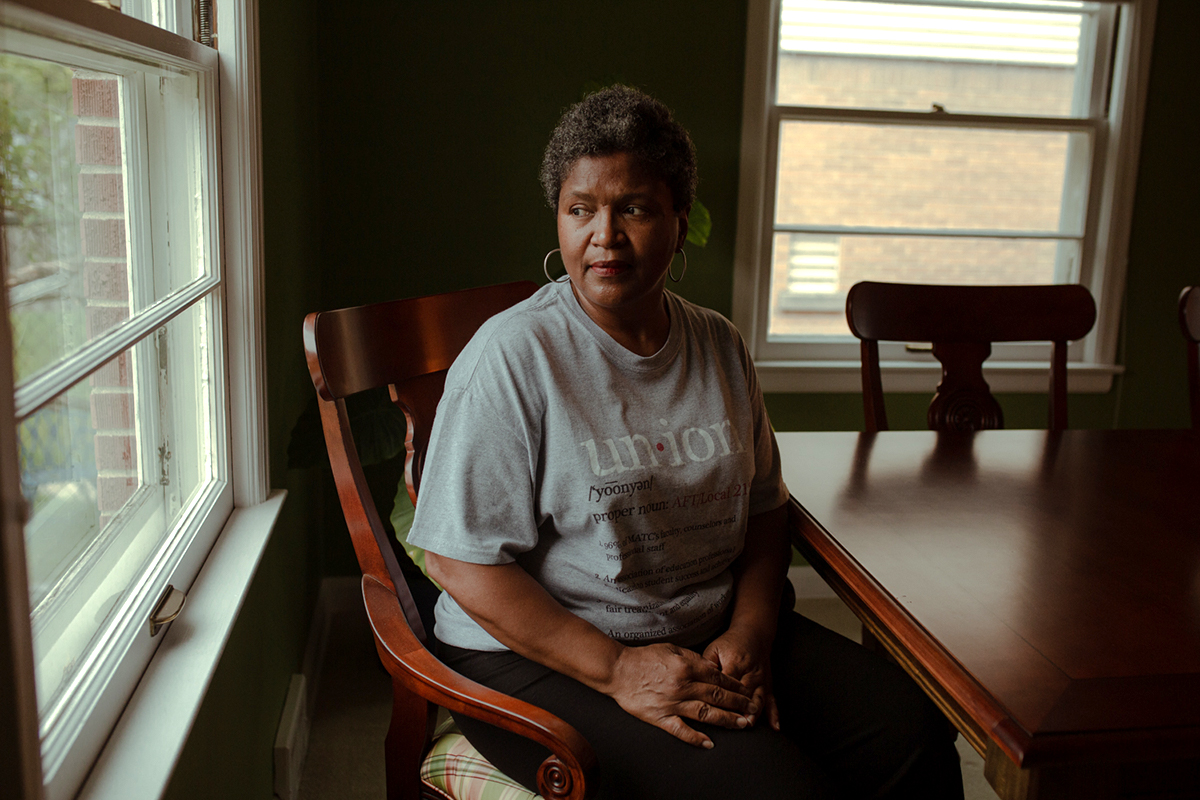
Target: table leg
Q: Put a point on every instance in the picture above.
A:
(1094, 781)
(1173, 779)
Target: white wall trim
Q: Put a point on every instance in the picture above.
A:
(1135, 43)
(751, 220)
(337, 595)
(140, 755)
(242, 251)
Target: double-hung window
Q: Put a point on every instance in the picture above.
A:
(933, 141)
(122, 308)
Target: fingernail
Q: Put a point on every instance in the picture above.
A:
(708, 745)
(743, 722)
(750, 719)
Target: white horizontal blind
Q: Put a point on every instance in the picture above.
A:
(956, 32)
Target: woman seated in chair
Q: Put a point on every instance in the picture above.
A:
(602, 502)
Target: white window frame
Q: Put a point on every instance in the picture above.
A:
(831, 364)
(137, 726)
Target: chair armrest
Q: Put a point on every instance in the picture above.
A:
(567, 774)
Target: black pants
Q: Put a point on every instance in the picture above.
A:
(853, 726)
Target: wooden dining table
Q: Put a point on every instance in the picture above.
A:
(1042, 587)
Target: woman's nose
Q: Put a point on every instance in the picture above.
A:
(608, 230)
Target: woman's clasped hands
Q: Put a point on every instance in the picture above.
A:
(664, 684)
(747, 658)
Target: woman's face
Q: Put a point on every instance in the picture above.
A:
(618, 231)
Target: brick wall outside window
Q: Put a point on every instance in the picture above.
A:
(889, 176)
(106, 284)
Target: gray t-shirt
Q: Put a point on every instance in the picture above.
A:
(621, 483)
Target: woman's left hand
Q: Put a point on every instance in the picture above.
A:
(743, 651)
(743, 657)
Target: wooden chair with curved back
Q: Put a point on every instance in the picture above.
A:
(1189, 322)
(407, 345)
(961, 322)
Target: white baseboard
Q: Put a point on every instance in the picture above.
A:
(336, 595)
(291, 741)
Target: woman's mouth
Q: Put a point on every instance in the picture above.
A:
(609, 268)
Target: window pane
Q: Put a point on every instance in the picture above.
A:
(903, 176)
(107, 467)
(1020, 61)
(79, 262)
(43, 222)
(811, 275)
(170, 15)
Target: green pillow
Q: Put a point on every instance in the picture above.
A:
(402, 519)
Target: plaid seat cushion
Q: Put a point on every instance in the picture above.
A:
(456, 769)
(453, 767)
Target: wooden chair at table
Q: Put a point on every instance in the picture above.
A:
(1189, 322)
(407, 345)
(962, 322)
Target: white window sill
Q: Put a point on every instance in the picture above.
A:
(846, 376)
(142, 751)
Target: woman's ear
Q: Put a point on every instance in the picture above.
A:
(683, 228)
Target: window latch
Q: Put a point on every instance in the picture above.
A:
(168, 608)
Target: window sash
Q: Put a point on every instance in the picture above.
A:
(31, 36)
(154, 522)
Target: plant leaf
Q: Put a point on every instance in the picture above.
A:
(699, 224)
(402, 518)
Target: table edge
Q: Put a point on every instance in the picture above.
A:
(969, 706)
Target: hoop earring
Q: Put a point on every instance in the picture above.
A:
(546, 267)
(672, 274)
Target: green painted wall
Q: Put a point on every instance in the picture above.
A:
(435, 117)
(401, 146)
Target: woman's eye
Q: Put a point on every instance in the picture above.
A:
(578, 211)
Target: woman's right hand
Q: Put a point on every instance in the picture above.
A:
(663, 685)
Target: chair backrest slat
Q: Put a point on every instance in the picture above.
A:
(383, 343)
(899, 312)
(962, 322)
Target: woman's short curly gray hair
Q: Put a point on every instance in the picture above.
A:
(620, 119)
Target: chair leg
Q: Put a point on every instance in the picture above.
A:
(405, 743)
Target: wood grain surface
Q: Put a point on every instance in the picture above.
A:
(1044, 586)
